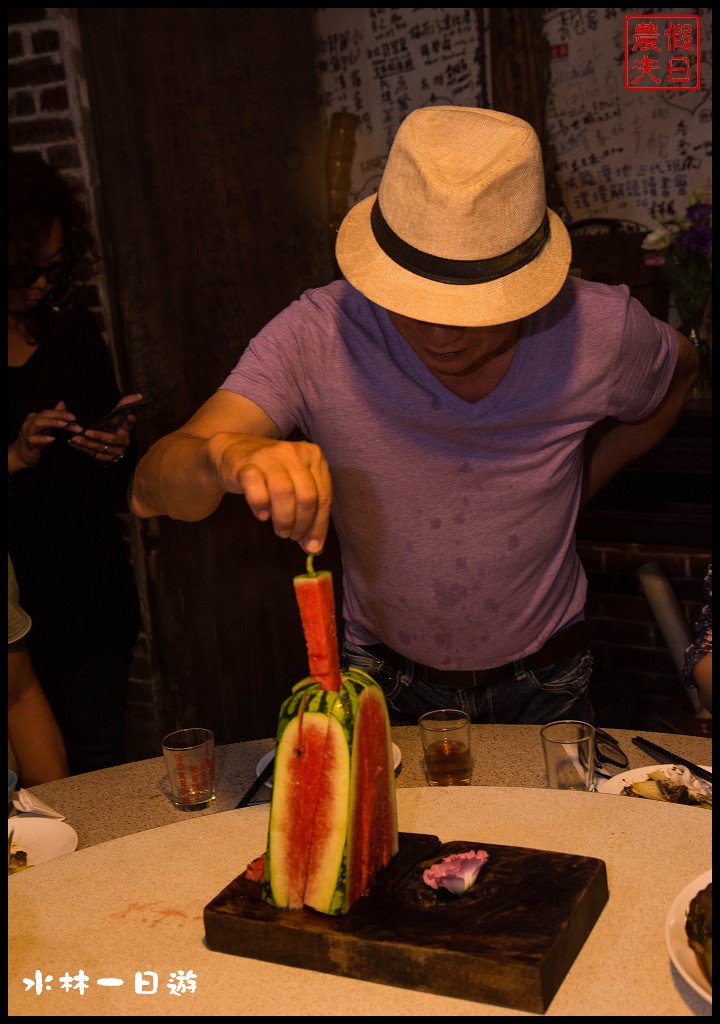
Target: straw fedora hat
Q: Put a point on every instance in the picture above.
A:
(459, 232)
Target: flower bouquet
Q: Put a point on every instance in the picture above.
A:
(682, 246)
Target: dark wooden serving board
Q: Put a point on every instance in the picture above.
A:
(509, 941)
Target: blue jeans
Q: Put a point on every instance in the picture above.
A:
(525, 698)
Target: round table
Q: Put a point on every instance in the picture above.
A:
(125, 918)
(133, 797)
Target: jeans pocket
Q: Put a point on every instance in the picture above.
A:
(390, 679)
(571, 675)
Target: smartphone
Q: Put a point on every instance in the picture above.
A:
(108, 418)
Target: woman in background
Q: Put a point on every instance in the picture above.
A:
(36, 751)
(698, 656)
(65, 486)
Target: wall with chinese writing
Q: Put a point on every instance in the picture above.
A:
(625, 153)
(622, 153)
(379, 63)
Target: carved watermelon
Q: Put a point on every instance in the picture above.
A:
(333, 817)
(316, 601)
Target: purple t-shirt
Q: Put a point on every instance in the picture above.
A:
(456, 520)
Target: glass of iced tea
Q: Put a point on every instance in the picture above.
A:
(445, 738)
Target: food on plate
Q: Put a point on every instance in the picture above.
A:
(698, 928)
(675, 785)
(333, 816)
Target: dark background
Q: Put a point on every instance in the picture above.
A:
(211, 157)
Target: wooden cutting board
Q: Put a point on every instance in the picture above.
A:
(510, 940)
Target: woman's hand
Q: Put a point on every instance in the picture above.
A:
(103, 445)
(36, 433)
(111, 443)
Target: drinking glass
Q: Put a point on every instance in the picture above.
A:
(569, 749)
(446, 746)
(190, 759)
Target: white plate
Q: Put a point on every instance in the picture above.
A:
(681, 952)
(397, 758)
(618, 782)
(42, 838)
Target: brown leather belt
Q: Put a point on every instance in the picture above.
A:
(558, 647)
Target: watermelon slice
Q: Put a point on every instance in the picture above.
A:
(314, 760)
(316, 601)
(333, 816)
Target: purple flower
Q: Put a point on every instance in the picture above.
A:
(698, 212)
(682, 246)
(457, 872)
(654, 259)
(696, 238)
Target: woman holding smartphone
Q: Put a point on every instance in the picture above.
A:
(67, 482)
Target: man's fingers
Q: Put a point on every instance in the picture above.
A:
(253, 486)
(289, 500)
(313, 540)
(291, 486)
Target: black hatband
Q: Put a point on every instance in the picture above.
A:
(435, 268)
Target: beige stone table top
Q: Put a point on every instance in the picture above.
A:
(130, 911)
(130, 798)
(130, 900)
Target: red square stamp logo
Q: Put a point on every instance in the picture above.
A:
(662, 51)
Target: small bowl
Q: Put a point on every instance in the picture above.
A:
(12, 783)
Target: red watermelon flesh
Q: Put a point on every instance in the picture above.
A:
(316, 601)
(372, 827)
(309, 812)
(333, 819)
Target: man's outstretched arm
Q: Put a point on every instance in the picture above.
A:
(230, 446)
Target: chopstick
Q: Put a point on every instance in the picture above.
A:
(259, 781)
(667, 755)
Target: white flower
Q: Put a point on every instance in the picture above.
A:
(661, 238)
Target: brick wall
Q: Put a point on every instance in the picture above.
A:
(48, 115)
(636, 682)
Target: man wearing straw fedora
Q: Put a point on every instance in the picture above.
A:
(462, 397)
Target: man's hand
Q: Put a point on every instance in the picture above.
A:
(230, 446)
(286, 482)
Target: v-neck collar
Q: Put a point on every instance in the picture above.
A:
(411, 364)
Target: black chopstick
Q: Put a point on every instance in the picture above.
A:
(653, 750)
(259, 781)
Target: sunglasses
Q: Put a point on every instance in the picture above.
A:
(20, 278)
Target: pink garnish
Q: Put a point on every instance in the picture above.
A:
(457, 872)
(256, 869)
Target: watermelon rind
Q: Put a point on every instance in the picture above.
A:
(372, 820)
(333, 817)
(309, 812)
